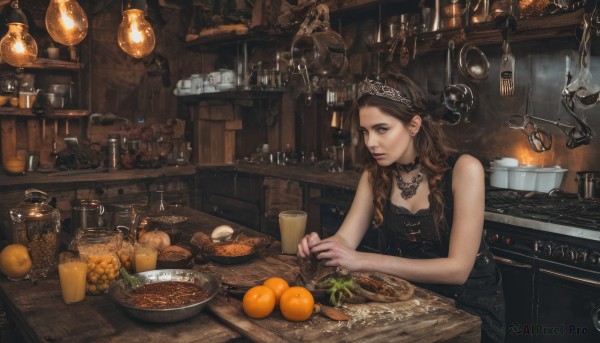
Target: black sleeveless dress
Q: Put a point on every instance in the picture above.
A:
(413, 235)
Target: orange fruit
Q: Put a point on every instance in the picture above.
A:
(15, 261)
(296, 304)
(259, 302)
(278, 285)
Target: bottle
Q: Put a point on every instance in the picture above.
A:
(114, 152)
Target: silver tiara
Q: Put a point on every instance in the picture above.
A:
(379, 89)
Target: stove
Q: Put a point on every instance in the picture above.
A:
(548, 249)
(556, 226)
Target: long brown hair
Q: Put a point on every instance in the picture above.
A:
(431, 145)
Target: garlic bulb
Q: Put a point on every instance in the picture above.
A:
(221, 233)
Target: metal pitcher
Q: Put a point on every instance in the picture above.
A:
(86, 214)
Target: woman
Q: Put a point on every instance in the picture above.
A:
(427, 199)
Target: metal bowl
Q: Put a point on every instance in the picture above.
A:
(473, 63)
(119, 290)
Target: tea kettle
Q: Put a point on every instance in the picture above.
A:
(316, 49)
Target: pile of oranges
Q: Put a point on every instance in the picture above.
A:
(295, 303)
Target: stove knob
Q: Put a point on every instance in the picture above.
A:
(559, 251)
(570, 255)
(537, 246)
(546, 249)
(581, 256)
(595, 258)
(495, 238)
(507, 241)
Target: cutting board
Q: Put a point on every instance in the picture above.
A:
(426, 317)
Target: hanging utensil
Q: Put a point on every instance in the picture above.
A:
(507, 68)
(473, 63)
(457, 98)
(583, 89)
(582, 134)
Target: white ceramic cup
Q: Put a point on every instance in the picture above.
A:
(215, 77)
(184, 84)
(197, 82)
(227, 76)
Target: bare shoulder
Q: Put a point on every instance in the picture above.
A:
(467, 164)
(467, 172)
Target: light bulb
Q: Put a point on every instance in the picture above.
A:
(135, 35)
(17, 47)
(66, 22)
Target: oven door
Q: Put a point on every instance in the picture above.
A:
(518, 286)
(568, 304)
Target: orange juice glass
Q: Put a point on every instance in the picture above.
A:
(145, 258)
(292, 225)
(72, 272)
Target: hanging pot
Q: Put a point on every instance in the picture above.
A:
(323, 53)
(588, 184)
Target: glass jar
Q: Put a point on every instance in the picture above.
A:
(36, 225)
(100, 246)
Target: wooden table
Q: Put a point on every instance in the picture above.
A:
(41, 316)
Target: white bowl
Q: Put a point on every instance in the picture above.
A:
(499, 176)
(522, 178)
(549, 178)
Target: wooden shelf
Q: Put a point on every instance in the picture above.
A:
(45, 63)
(26, 112)
(210, 42)
(555, 26)
(234, 95)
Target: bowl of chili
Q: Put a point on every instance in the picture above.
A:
(166, 295)
(230, 253)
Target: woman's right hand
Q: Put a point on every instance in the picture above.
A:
(307, 243)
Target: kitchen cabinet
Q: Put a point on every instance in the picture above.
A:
(231, 195)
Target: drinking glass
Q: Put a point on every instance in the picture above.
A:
(292, 224)
(72, 272)
(145, 257)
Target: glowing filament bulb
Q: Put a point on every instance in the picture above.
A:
(17, 47)
(135, 34)
(66, 22)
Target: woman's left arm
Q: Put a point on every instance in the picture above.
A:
(468, 188)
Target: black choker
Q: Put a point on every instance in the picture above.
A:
(409, 167)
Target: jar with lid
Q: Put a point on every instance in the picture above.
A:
(36, 225)
(100, 247)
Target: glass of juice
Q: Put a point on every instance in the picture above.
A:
(72, 272)
(292, 224)
(145, 258)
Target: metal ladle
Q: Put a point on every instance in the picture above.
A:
(457, 98)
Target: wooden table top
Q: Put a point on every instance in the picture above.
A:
(41, 316)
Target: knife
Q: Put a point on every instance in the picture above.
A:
(330, 312)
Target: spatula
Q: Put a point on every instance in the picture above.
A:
(507, 70)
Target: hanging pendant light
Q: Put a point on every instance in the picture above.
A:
(135, 34)
(17, 47)
(66, 22)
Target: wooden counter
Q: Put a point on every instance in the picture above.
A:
(41, 316)
(74, 177)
